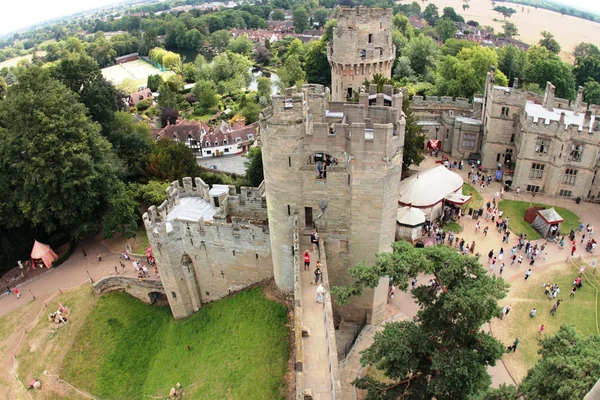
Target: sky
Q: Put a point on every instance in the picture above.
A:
(19, 14)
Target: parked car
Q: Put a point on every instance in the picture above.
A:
(212, 167)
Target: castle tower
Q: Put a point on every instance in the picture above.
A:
(354, 205)
(361, 47)
(283, 155)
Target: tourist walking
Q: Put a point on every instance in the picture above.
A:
(99, 257)
(116, 270)
(8, 291)
(520, 259)
(314, 239)
(514, 345)
(307, 260)
(501, 268)
(573, 291)
(527, 274)
(542, 329)
(122, 267)
(533, 312)
(318, 272)
(320, 293)
(17, 292)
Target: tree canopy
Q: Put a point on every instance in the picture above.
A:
(58, 170)
(442, 353)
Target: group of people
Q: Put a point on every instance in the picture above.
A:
(318, 267)
(14, 290)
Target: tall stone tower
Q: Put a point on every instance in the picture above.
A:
(361, 47)
(354, 204)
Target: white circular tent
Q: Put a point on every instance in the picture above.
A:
(409, 224)
(426, 190)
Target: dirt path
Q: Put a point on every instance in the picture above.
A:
(37, 291)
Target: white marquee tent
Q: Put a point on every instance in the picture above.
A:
(426, 190)
(410, 221)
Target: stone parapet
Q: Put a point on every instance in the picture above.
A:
(298, 344)
(334, 372)
(133, 286)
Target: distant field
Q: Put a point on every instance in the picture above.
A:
(137, 71)
(12, 62)
(568, 31)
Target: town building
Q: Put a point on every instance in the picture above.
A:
(140, 95)
(547, 144)
(205, 141)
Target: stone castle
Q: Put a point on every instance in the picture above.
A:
(336, 166)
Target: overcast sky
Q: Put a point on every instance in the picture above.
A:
(18, 14)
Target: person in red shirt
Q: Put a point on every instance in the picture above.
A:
(307, 260)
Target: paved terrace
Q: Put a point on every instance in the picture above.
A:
(320, 375)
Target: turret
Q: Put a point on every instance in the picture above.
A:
(361, 47)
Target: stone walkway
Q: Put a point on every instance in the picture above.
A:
(316, 360)
(351, 366)
(75, 270)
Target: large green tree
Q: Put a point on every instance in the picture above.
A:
(549, 42)
(587, 68)
(254, 167)
(58, 172)
(591, 92)
(300, 18)
(423, 53)
(568, 366)
(131, 142)
(81, 74)
(512, 62)
(465, 74)
(413, 138)
(442, 353)
(445, 28)
(316, 65)
(170, 160)
(567, 369)
(292, 72)
(543, 66)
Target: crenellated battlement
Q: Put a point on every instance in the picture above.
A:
(589, 125)
(420, 101)
(227, 202)
(350, 15)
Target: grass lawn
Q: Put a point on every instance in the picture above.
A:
(44, 346)
(453, 226)
(131, 350)
(515, 210)
(525, 295)
(204, 117)
(477, 200)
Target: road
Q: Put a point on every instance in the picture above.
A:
(233, 164)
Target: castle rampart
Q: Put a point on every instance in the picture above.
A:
(209, 242)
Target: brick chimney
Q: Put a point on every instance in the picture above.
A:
(516, 83)
(578, 101)
(587, 119)
(549, 97)
(562, 118)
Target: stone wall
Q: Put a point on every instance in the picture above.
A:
(358, 195)
(298, 344)
(204, 261)
(361, 47)
(334, 372)
(130, 285)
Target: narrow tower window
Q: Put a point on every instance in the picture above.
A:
(370, 38)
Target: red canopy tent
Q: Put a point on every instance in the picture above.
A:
(42, 252)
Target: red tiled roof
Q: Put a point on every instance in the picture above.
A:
(183, 130)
